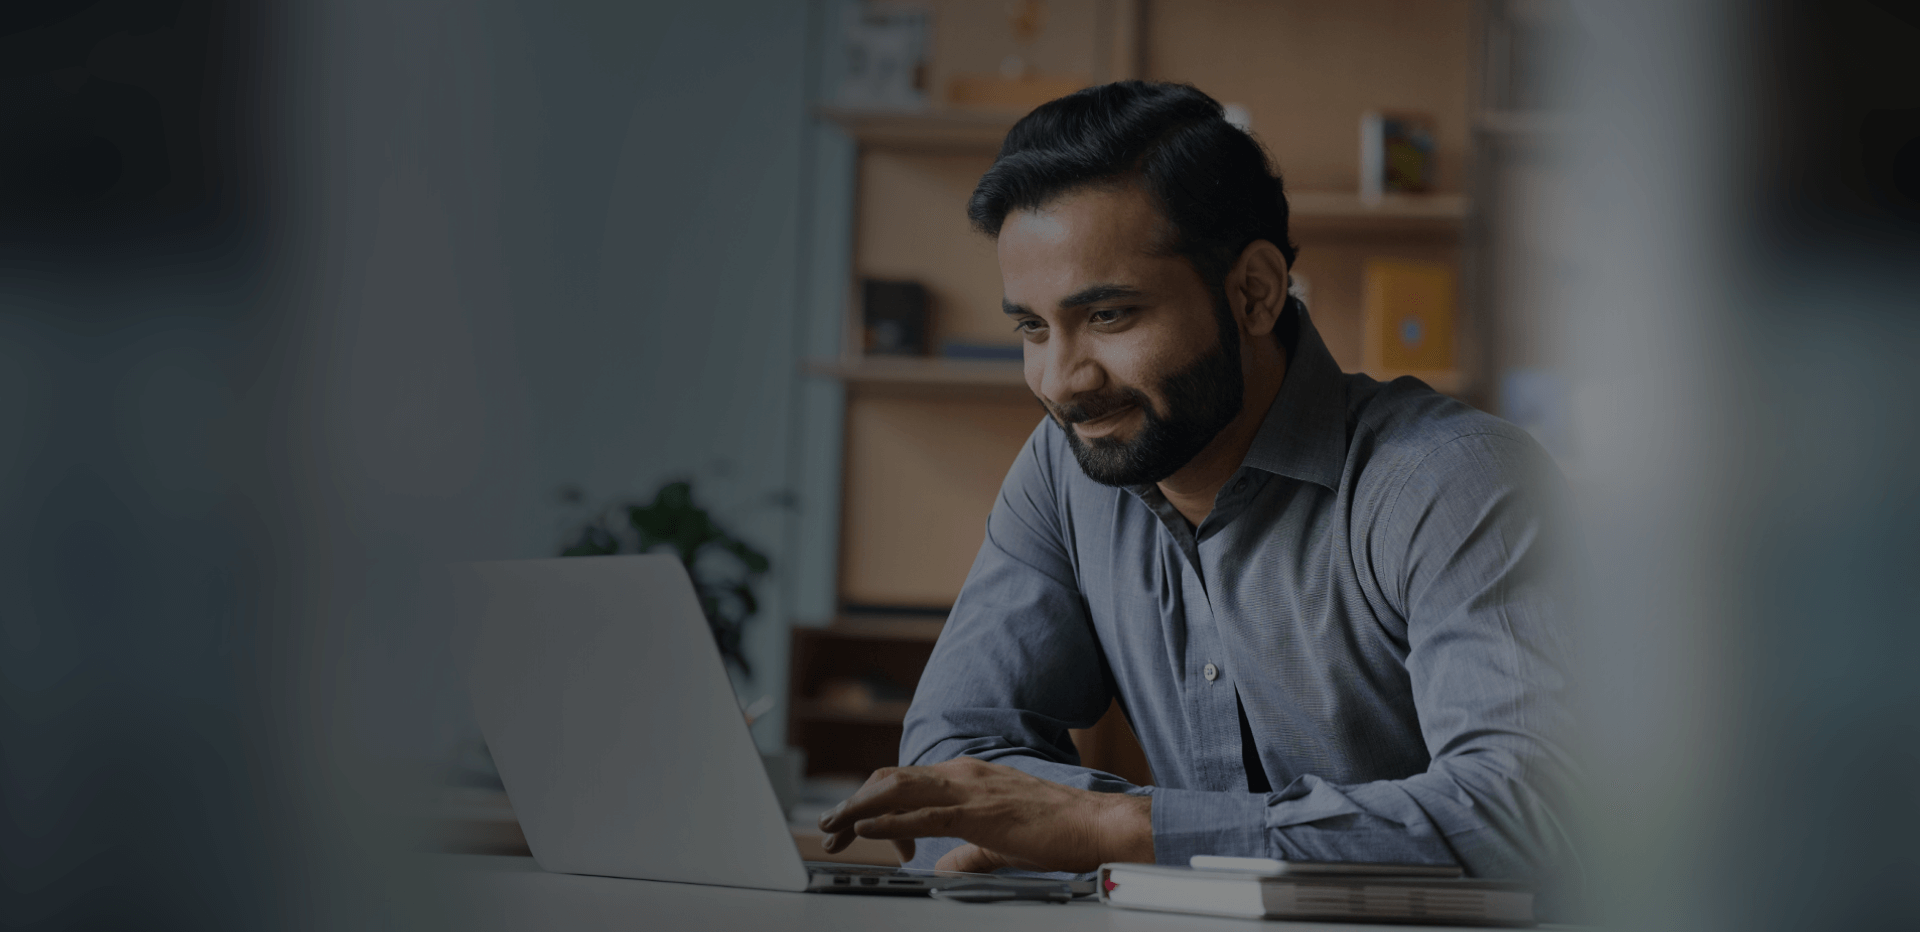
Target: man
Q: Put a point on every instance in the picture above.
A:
(1321, 600)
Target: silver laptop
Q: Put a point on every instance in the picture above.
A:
(605, 705)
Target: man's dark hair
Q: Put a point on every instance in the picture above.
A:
(1211, 181)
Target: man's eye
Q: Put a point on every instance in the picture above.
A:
(1027, 326)
(1107, 315)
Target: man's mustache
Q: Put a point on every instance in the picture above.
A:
(1095, 407)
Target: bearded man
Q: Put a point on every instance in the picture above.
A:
(1322, 601)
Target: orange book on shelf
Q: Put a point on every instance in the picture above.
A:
(1409, 316)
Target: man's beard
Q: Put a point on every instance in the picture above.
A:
(1202, 399)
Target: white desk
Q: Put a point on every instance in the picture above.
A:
(507, 893)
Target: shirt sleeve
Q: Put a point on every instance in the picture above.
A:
(1461, 549)
(1018, 663)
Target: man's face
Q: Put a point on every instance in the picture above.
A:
(1124, 345)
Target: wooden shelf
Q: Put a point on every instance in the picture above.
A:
(850, 682)
(956, 131)
(967, 374)
(927, 373)
(1340, 210)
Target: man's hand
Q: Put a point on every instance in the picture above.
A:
(1009, 818)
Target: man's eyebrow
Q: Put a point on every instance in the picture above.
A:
(1092, 294)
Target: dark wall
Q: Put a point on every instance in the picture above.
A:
(298, 302)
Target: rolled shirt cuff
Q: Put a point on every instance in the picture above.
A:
(1190, 822)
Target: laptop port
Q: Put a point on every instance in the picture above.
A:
(870, 881)
(843, 880)
(905, 883)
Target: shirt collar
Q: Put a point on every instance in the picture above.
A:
(1304, 435)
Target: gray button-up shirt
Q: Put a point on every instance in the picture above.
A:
(1372, 584)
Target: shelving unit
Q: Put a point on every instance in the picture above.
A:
(909, 372)
(1321, 211)
(1329, 216)
(962, 132)
(1000, 379)
(847, 736)
(927, 441)
(856, 739)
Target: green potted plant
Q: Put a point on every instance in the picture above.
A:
(723, 567)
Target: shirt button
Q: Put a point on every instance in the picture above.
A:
(1211, 673)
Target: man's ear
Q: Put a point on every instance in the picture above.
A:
(1257, 286)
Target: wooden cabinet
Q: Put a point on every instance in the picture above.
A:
(927, 440)
(851, 682)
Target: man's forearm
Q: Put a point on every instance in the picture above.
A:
(1122, 831)
(1009, 817)
(1117, 828)
(1126, 826)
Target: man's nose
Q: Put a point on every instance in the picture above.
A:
(1067, 372)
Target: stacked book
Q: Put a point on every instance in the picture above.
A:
(1269, 889)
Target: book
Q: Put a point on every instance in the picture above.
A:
(885, 57)
(1357, 897)
(1407, 317)
(1396, 154)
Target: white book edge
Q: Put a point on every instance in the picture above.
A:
(1373, 156)
(1185, 890)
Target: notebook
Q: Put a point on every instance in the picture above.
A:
(1372, 897)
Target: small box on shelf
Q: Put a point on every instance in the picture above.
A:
(884, 57)
(894, 315)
